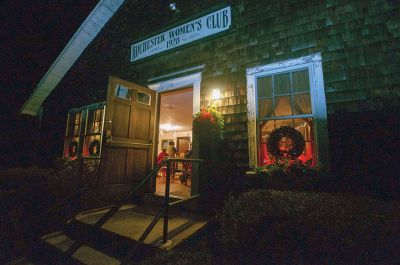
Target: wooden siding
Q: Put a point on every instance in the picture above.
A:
(359, 42)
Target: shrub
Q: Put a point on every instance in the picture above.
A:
(284, 227)
(293, 175)
(27, 193)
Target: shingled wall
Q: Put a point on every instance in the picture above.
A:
(359, 42)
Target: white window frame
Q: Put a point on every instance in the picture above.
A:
(313, 63)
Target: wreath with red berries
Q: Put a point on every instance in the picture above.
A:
(297, 146)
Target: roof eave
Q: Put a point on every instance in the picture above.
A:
(85, 34)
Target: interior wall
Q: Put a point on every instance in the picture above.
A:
(170, 135)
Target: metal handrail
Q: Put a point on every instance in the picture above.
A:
(165, 207)
(116, 207)
(162, 212)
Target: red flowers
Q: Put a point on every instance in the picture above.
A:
(209, 122)
(206, 115)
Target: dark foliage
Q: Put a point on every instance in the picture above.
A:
(27, 194)
(282, 227)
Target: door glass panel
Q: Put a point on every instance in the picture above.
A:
(123, 92)
(283, 106)
(282, 84)
(143, 98)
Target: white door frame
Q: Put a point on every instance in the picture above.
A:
(191, 80)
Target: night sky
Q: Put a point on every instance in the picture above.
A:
(32, 34)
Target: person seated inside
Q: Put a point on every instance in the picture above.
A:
(171, 150)
(187, 166)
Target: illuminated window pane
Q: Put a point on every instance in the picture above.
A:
(282, 84)
(143, 98)
(264, 86)
(301, 82)
(280, 123)
(77, 123)
(123, 92)
(265, 130)
(265, 108)
(304, 127)
(302, 104)
(283, 106)
(94, 121)
(71, 124)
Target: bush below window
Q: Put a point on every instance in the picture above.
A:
(293, 175)
(276, 227)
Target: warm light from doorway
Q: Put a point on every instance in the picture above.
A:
(169, 127)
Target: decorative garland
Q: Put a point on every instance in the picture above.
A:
(94, 148)
(72, 148)
(276, 136)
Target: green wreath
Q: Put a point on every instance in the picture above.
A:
(276, 136)
(94, 148)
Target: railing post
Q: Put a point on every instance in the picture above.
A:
(166, 202)
(80, 172)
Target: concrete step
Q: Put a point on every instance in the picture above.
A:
(80, 242)
(107, 242)
(132, 220)
(59, 243)
(158, 200)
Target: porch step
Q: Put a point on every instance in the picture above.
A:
(43, 252)
(132, 220)
(158, 200)
(57, 245)
(81, 242)
(107, 242)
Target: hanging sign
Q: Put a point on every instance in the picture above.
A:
(205, 26)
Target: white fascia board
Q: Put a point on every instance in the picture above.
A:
(85, 34)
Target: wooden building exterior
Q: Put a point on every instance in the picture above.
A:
(333, 65)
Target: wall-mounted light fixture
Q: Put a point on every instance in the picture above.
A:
(216, 94)
(172, 6)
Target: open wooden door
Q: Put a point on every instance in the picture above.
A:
(128, 149)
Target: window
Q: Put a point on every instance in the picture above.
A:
(95, 120)
(143, 98)
(84, 131)
(123, 92)
(74, 122)
(72, 134)
(289, 93)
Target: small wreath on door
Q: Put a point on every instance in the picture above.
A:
(94, 148)
(296, 147)
(73, 148)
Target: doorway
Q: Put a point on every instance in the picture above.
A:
(175, 128)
